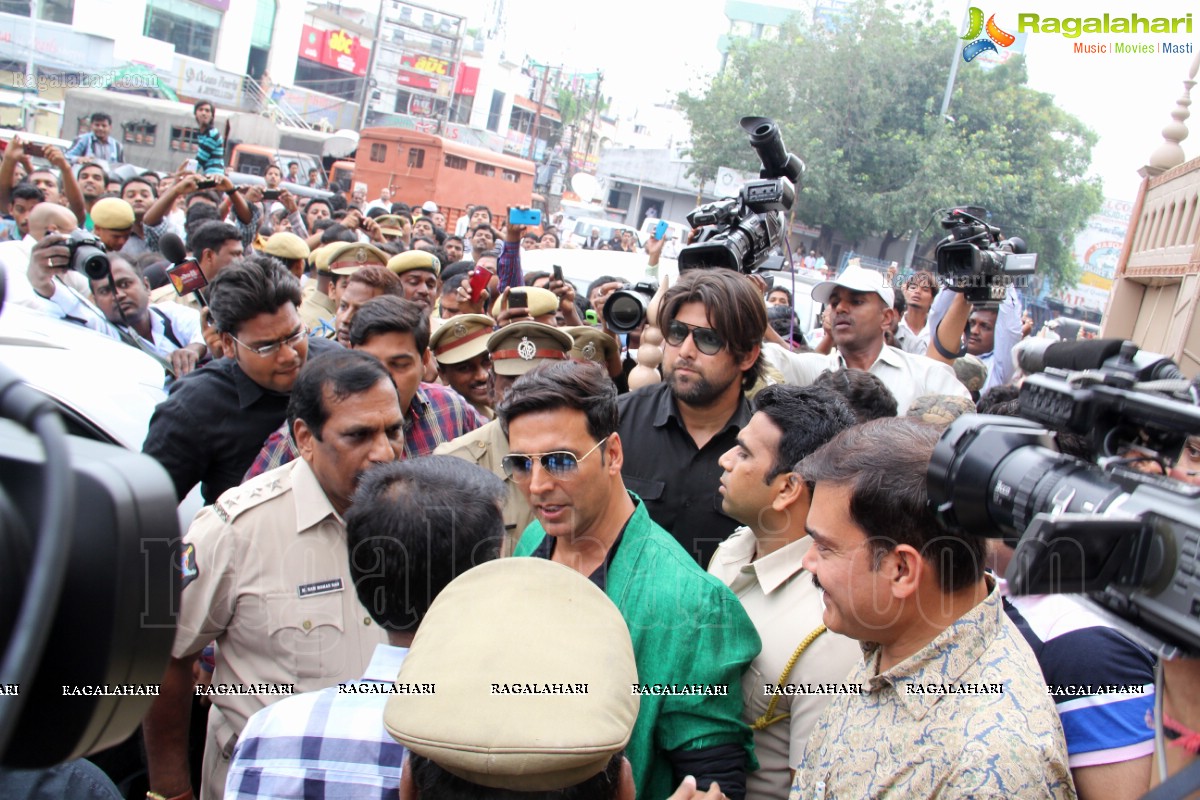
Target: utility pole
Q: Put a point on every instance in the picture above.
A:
(595, 110)
(28, 107)
(537, 117)
(369, 78)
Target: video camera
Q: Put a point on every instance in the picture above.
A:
(973, 255)
(738, 233)
(1129, 539)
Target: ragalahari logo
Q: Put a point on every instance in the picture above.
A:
(976, 45)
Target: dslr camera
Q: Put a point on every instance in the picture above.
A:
(1128, 539)
(973, 255)
(625, 309)
(88, 254)
(739, 233)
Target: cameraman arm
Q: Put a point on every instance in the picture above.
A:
(157, 212)
(1008, 334)
(948, 317)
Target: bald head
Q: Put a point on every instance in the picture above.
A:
(51, 218)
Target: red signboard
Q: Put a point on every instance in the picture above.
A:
(338, 49)
(467, 80)
(420, 106)
(412, 80)
(430, 65)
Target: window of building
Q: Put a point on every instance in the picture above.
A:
(486, 170)
(264, 24)
(619, 199)
(62, 11)
(460, 109)
(183, 139)
(378, 152)
(495, 112)
(416, 157)
(510, 176)
(140, 132)
(191, 27)
(457, 162)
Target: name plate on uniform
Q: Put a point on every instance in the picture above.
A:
(320, 587)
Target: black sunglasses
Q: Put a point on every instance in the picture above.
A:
(707, 340)
(560, 463)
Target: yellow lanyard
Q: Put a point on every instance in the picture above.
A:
(766, 720)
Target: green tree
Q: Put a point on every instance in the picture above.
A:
(860, 104)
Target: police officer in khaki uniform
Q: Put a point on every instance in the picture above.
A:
(460, 349)
(318, 303)
(515, 349)
(265, 574)
(342, 259)
(289, 249)
(593, 344)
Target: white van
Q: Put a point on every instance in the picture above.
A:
(581, 230)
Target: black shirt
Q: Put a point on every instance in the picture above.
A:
(600, 576)
(677, 481)
(213, 423)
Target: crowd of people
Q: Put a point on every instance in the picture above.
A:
(456, 542)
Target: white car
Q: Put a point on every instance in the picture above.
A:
(580, 230)
(581, 267)
(105, 390)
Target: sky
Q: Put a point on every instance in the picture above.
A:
(651, 49)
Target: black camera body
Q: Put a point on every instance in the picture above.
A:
(973, 255)
(625, 309)
(1129, 539)
(738, 233)
(88, 254)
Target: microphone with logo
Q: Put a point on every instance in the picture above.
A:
(184, 272)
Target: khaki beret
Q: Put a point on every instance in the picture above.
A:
(347, 258)
(541, 301)
(518, 347)
(940, 409)
(286, 245)
(390, 223)
(461, 338)
(113, 214)
(970, 372)
(592, 344)
(414, 259)
(555, 703)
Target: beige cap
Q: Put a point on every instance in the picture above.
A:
(554, 704)
(461, 338)
(347, 258)
(390, 223)
(415, 259)
(113, 214)
(518, 347)
(286, 245)
(541, 301)
(592, 344)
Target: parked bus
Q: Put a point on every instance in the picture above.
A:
(421, 166)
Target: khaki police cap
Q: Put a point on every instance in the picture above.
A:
(461, 338)
(319, 258)
(347, 258)
(390, 223)
(592, 344)
(541, 301)
(518, 347)
(554, 704)
(286, 245)
(414, 259)
(112, 214)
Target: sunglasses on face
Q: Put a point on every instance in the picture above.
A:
(560, 463)
(707, 340)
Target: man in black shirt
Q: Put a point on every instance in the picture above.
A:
(675, 432)
(215, 419)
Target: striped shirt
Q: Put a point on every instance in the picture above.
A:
(1101, 682)
(328, 743)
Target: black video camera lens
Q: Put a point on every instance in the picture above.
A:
(625, 309)
(88, 255)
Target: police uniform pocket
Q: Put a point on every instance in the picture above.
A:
(306, 633)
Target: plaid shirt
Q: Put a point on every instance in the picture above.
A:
(437, 414)
(329, 743)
